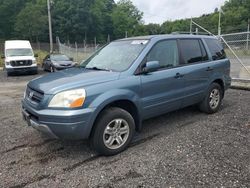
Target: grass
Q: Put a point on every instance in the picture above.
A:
(1, 62)
(41, 55)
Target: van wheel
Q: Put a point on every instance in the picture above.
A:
(213, 99)
(113, 131)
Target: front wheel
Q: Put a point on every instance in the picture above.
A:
(113, 131)
(212, 102)
(52, 69)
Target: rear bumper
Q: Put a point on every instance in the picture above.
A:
(62, 124)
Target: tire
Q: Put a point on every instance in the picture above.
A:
(51, 69)
(212, 102)
(43, 67)
(8, 74)
(35, 72)
(115, 126)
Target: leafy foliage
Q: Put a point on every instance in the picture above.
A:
(79, 20)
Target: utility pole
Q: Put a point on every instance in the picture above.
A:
(95, 42)
(191, 25)
(219, 23)
(50, 27)
(248, 30)
(108, 39)
(126, 34)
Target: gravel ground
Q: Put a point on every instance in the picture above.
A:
(185, 148)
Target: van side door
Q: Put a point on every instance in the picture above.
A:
(162, 90)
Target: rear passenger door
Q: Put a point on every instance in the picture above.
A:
(198, 69)
(162, 90)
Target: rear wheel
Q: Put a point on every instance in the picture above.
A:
(113, 131)
(213, 99)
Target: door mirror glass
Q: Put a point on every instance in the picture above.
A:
(151, 66)
(71, 59)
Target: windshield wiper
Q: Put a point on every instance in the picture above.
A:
(97, 68)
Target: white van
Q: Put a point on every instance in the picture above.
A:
(19, 57)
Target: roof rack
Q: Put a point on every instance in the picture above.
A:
(188, 33)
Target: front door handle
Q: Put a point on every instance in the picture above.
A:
(209, 69)
(179, 75)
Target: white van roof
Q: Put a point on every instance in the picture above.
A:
(15, 44)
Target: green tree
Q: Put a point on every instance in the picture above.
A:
(31, 22)
(126, 18)
(153, 29)
(8, 12)
(102, 25)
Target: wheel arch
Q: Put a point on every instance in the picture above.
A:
(221, 83)
(124, 104)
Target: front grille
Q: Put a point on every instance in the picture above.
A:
(34, 95)
(65, 65)
(21, 63)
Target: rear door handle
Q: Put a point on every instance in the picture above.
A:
(209, 69)
(179, 75)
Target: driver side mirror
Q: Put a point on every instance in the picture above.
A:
(2, 56)
(71, 59)
(36, 55)
(151, 66)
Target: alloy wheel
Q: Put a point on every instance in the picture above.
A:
(116, 133)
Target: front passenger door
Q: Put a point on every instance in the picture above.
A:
(162, 90)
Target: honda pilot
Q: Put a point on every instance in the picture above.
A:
(109, 95)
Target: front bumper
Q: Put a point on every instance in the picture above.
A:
(22, 69)
(64, 67)
(62, 124)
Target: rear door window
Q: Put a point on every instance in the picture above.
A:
(191, 51)
(215, 49)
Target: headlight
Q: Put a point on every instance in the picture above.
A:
(7, 63)
(55, 63)
(33, 61)
(68, 99)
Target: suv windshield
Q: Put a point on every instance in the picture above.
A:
(19, 52)
(116, 56)
(59, 58)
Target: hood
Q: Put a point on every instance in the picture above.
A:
(70, 79)
(19, 58)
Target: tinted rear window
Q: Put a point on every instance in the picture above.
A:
(216, 49)
(191, 51)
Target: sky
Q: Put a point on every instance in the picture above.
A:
(158, 11)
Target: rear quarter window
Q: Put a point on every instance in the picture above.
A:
(215, 49)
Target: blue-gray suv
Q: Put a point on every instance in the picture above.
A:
(108, 96)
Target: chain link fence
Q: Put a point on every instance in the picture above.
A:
(78, 52)
(238, 51)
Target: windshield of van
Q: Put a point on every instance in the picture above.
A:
(116, 56)
(19, 52)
